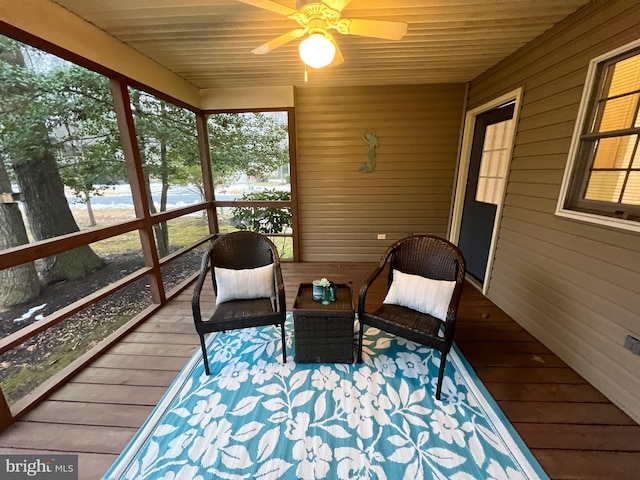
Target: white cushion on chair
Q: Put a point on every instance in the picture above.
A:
(244, 284)
(422, 294)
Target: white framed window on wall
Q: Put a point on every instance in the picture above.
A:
(602, 179)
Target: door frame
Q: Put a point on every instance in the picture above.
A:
(463, 171)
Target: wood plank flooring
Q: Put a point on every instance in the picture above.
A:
(572, 429)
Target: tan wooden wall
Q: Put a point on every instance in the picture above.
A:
(341, 209)
(575, 286)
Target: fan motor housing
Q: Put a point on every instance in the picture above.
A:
(300, 4)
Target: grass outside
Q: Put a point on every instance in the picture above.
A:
(27, 377)
(183, 231)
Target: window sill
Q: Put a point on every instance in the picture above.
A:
(612, 222)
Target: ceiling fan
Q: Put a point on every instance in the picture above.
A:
(319, 48)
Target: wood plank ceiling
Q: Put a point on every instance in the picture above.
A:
(209, 42)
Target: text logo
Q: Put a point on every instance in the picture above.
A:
(39, 467)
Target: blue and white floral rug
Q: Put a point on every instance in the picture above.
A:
(257, 418)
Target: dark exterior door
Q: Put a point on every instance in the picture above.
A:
(476, 228)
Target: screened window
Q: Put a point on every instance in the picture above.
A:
(250, 161)
(605, 178)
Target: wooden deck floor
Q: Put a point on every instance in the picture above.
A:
(573, 431)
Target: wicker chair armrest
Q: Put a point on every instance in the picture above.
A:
(365, 287)
(280, 295)
(197, 290)
(452, 311)
(450, 323)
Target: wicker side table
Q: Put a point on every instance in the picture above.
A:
(323, 333)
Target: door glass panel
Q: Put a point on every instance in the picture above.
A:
(493, 165)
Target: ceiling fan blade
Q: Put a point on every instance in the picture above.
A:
(279, 41)
(386, 29)
(271, 6)
(338, 58)
(337, 5)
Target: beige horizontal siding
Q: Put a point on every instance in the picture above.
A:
(605, 237)
(576, 286)
(553, 295)
(595, 362)
(594, 29)
(342, 210)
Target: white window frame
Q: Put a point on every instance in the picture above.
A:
(587, 93)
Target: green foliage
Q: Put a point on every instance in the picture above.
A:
(253, 144)
(89, 152)
(51, 106)
(167, 138)
(168, 144)
(24, 101)
(263, 219)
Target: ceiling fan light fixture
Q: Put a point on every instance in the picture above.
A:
(317, 50)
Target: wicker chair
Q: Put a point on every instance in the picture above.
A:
(240, 251)
(430, 257)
